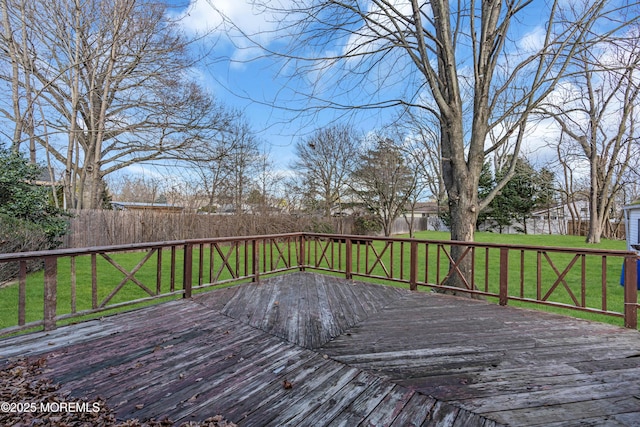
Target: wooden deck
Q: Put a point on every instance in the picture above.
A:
(355, 354)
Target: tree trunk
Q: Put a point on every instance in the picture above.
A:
(464, 215)
(461, 179)
(595, 226)
(93, 189)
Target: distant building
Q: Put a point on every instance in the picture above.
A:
(140, 206)
(556, 219)
(425, 216)
(632, 226)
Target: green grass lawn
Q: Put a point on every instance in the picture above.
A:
(529, 239)
(110, 278)
(525, 285)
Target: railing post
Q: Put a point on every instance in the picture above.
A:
(255, 255)
(302, 260)
(187, 270)
(630, 292)
(349, 259)
(50, 292)
(22, 293)
(413, 266)
(504, 275)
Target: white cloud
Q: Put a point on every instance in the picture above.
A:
(381, 22)
(532, 42)
(243, 24)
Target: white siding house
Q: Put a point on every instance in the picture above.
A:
(632, 227)
(553, 220)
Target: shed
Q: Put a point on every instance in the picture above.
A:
(632, 226)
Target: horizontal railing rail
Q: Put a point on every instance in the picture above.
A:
(56, 285)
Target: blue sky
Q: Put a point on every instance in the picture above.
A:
(241, 76)
(244, 77)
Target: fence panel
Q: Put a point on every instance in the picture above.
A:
(89, 228)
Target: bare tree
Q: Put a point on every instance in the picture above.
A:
(324, 161)
(242, 166)
(137, 188)
(422, 144)
(598, 114)
(468, 64)
(414, 142)
(112, 81)
(19, 110)
(267, 186)
(383, 181)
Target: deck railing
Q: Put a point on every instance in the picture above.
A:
(79, 282)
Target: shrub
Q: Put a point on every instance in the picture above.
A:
(28, 221)
(20, 236)
(366, 224)
(21, 199)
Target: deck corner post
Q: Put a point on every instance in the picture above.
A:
(630, 291)
(255, 263)
(348, 269)
(188, 271)
(50, 292)
(413, 266)
(302, 259)
(504, 276)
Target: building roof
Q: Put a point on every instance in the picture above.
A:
(145, 206)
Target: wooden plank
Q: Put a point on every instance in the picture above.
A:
(363, 405)
(298, 372)
(415, 411)
(317, 392)
(565, 396)
(307, 383)
(172, 362)
(176, 394)
(216, 300)
(615, 411)
(311, 330)
(247, 379)
(328, 312)
(338, 402)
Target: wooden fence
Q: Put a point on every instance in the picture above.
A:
(90, 228)
(78, 282)
(110, 227)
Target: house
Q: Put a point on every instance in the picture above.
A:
(632, 229)
(632, 226)
(140, 206)
(558, 219)
(426, 216)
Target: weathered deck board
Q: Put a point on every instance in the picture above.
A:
(356, 354)
(307, 309)
(515, 366)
